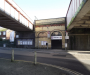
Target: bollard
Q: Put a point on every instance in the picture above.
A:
(12, 58)
(35, 58)
(47, 46)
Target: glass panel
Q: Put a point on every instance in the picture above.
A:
(4, 33)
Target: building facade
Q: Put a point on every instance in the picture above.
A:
(25, 39)
(50, 33)
(5, 33)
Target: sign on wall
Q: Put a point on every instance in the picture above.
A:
(65, 44)
(48, 34)
(66, 37)
(12, 36)
(21, 42)
(66, 33)
(18, 42)
(43, 43)
(30, 42)
(25, 42)
(56, 37)
(17, 36)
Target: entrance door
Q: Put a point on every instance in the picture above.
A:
(56, 44)
(56, 40)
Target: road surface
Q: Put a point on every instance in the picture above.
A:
(67, 63)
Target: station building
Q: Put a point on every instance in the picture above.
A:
(50, 32)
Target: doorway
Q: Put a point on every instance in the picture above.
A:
(56, 44)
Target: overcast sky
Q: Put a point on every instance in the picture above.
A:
(44, 9)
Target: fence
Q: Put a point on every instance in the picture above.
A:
(7, 43)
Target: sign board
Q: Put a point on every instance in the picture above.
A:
(4, 45)
(12, 36)
(17, 36)
(56, 37)
(21, 42)
(66, 37)
(48, 34)
(45, 42)
(66, 33)
(30, 42)
(25, 42)
(65, 44)
(18, 42)
(42, 42)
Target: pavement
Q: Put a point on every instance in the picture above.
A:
(29, 68)
(82, 56)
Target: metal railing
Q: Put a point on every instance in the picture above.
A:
(12, 9)
(74, 8)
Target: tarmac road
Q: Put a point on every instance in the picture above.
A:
(70, 64)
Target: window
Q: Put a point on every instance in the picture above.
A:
(0, 33)
(4, 33)
(3, 38)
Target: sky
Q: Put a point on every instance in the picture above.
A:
(44, 9)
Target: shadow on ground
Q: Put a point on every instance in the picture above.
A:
(62, 60)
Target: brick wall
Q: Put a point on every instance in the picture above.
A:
(60, 28)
